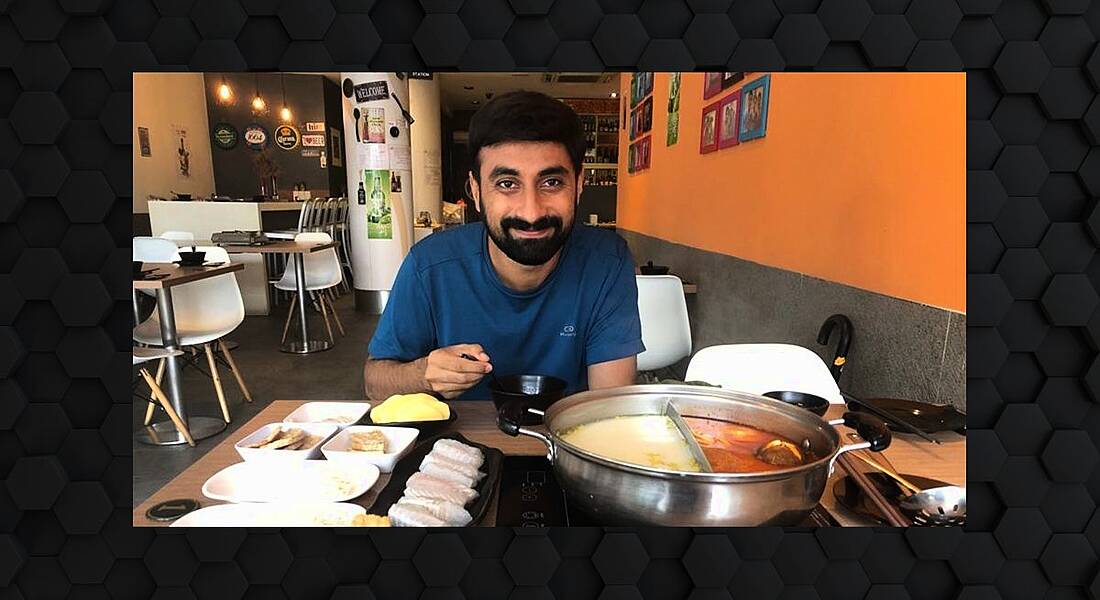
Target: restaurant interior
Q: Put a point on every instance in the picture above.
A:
(799, 244)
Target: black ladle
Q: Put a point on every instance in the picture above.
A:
(355, 113)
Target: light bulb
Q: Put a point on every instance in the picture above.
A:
(225, 94)
(285, 114)
(258, 104)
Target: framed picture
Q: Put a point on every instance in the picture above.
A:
(708, 130)
(633, 158)
(729, 79)
(643, 152)
(143, 141)
(712, 84)
(729, 119)
(337, 140)
(647, 83)
(754, 108)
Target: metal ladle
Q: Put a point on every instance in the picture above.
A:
(940, 506)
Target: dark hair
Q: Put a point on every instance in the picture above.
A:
(525, 116)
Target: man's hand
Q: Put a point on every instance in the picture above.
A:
(448, 374)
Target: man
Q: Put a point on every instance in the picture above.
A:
(523, 292)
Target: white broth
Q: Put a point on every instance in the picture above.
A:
(646, 440)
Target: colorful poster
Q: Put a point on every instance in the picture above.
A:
(143, 141)
(672, 134)
(376, 183)
(376, 126)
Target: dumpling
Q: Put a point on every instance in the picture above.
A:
(453, 514)
(459, 452)
(409, 515)
(421, 485)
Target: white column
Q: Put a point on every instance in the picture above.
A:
(376, 152)
(426, 151)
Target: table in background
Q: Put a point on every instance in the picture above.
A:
(477, 421)
(165, 433)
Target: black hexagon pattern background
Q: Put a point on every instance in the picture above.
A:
(1033, 163)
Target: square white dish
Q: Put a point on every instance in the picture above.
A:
(341, 414)
(398, 441)
(323, 430)
(299, 482)
(331, 514)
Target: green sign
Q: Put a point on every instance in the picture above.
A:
(225, 136)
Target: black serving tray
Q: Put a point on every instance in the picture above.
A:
(410, 463)
(424, 427)
(929, 418)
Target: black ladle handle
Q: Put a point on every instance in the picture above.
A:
(870, 428)
(886, 416)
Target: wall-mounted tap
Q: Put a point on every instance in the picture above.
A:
(844, 341)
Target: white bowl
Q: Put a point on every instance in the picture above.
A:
(255, 514)
(324, 430)
(341, 414)
(305, 481)
(398, 442)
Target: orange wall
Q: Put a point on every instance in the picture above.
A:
(861, 179)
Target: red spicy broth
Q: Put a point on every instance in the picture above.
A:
(731, 447)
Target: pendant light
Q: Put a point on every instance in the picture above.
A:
(284, 114)
(259, 107)
(225, 93)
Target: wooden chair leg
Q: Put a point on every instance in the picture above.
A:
(217, 380)
(289, 313)
(149, 409)
(335, 316)
(236, 371)
(167, 406)
(324, 314)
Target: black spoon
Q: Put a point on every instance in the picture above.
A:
(355, 113)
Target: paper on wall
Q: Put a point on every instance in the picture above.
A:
(400, 159)
(376, 157)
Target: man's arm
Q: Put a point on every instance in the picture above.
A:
(443, 371)
(613, 373)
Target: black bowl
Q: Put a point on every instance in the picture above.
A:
(192, 259)
(646, 270)
(520, 392)
(424, 427)
(810, 402)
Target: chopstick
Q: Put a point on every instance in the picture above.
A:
(882, 414)
(893, 516)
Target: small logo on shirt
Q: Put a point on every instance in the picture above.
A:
(568, 331)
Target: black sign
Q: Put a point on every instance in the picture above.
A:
(286, 137)
(225, 136)
(373, 90)
(170, 510)
(420, 74)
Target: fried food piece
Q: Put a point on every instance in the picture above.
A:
(370, 521)
(270, 437)
(373, 442)
(288, 437)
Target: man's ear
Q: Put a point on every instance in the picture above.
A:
(580, 186)
(474, 189)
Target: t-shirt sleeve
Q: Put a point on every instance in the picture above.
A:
(617, 330)
(406, 330)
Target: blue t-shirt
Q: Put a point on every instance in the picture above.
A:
(447, 292)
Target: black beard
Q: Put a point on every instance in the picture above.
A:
(529, 252)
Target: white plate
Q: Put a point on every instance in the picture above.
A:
(323, 430)
(300, 482)
(341, 414)
(398, 442)
(333, 514)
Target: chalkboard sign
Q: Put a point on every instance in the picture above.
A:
(373, 90)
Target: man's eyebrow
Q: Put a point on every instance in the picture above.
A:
(502, 171)
(556, 170)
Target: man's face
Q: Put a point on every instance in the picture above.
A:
(527, 196)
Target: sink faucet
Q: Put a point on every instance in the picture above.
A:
(844, 341)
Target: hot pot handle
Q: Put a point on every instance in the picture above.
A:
(869, 427)
(506, 422)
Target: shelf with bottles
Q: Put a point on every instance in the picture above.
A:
(602, 154)
(601, 177)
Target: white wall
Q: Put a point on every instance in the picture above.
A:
(426, 153)
(162, 103)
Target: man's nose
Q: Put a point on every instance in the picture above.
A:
(530, 208)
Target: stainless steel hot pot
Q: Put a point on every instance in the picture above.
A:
(619, 493)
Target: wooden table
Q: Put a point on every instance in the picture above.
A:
(477, 421)
(298, 250)
(165, 433)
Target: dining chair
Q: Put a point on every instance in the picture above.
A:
(205, 312)
(666, 330)
(322, 272)
(142, 355)
(762, 368)
(179, 236)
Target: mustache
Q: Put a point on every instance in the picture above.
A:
(543, 223)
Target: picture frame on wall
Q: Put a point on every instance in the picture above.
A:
(729, 79)
(755, 97)
(632, 159)
(712, 84)
(647, 83)
(643, 152)
(708, 129)
(729, 120)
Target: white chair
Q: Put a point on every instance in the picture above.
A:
(205, 311)
(179, 236)
(157, 250)
(323, 273)
(762, 368)
(142, 355)
(666, 331)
